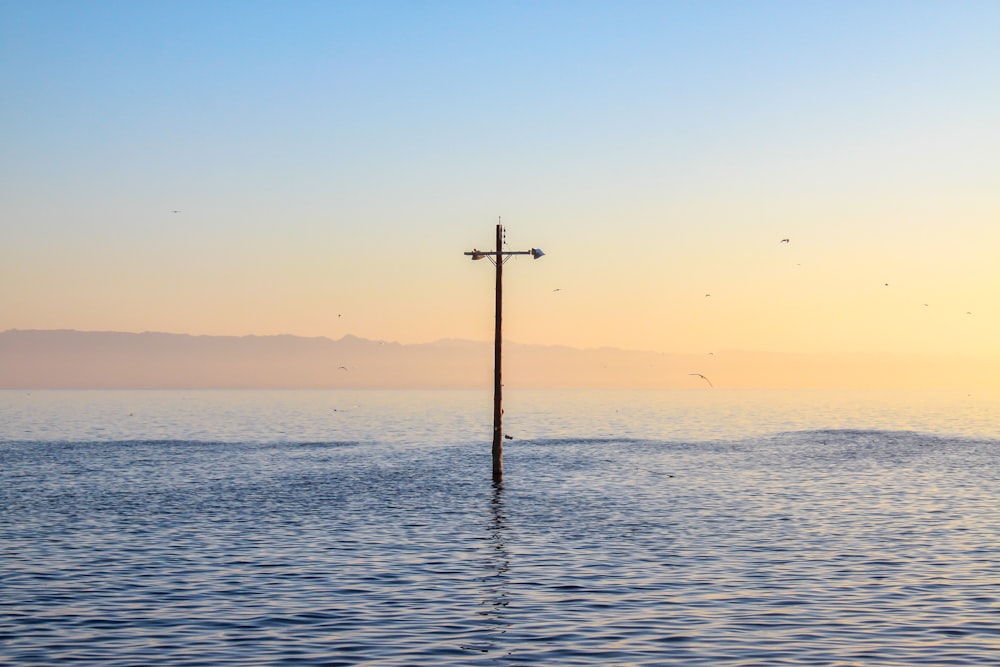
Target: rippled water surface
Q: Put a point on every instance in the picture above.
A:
(349, 528)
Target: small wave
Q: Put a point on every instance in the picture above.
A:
(323, 444)
(848, 435)
(605, 440)
(177, 443)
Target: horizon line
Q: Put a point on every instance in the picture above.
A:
(730, 351)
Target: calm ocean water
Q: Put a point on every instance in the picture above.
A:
(633, 528)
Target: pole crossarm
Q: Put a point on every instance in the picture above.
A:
(503, 255)
(474, 253)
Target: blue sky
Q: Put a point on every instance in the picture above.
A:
(332, 160)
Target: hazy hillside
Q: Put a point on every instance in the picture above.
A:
(76, 359)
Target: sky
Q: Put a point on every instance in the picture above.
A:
(330, 162)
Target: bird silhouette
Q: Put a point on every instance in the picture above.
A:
(786, 240)
(704, 378)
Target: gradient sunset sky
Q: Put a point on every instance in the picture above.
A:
(331, 162)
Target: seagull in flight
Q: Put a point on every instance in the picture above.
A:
(786, 240)
(704, 378)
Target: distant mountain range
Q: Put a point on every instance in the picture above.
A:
(67, 359)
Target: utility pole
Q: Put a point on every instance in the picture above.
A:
(498, 366)
(498, 258)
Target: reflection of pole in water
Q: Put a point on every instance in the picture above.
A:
(496, 582)
(497, 587)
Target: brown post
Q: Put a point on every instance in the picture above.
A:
(497, 384)
(499, 255)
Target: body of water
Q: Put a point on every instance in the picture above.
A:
(632, 528)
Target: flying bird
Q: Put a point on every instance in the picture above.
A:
(704, 378)
(175, 211)
(786, 240)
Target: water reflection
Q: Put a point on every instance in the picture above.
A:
(493, 616)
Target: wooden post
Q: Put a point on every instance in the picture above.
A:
(497, 381)
(500, 255)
